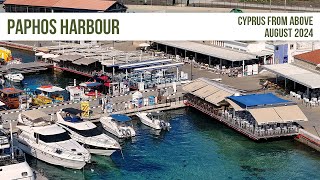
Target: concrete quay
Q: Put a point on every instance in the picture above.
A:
(172, 101)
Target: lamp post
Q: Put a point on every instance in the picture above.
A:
(285, 5)
(191, 76)
(270, 5)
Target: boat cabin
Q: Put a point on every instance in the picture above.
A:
(75, 123)
(71, 115)
(10, 97)
(49, 94)
(90, 88)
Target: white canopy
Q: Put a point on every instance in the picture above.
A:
(50, 88)
(137, 95)
(46, 56)
(40, 54)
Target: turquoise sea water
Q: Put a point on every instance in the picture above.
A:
(197, 147)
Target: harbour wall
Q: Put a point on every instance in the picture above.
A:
(308, 139)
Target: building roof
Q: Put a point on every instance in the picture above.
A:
(145, 63)
(85, 61)
(252, 100)
(11, 91)
(98, 5)
(165, 66)
(311, 57)
(68, 58)
(213, 51)
(297, 74)
(209, 90)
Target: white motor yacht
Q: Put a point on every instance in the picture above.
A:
(119, 125)
(15, 77)
(49, 142)
(12, 162)
(86, 133)
(153, 120)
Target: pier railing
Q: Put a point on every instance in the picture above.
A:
(241, 125)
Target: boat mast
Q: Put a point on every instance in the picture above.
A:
(11, 140)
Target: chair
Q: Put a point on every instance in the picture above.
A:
(306, 101)
(298, 96)
(312, 104)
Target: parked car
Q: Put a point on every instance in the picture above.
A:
(236, 10)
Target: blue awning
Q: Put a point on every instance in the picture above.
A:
(145, 63)
(90, 84)
(257, 100)
(121, 117)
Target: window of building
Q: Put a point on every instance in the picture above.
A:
(291, 46)
(277, 48)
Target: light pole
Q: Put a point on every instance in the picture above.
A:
(191, 68)
(285, 5)
(270, 5)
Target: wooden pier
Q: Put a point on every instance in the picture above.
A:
(24, 68)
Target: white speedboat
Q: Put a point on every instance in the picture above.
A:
(49, 142)
(153, 120)
(12, 162)
(15, 77)
(86, 133)
(119, 125)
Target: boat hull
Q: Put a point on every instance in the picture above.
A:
(49, 158)
(16, 171)
(114, 131)
(102, 152)
(145, 120)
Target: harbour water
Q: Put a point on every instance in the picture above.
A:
(197, 147)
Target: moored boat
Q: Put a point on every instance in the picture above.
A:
(86, 133)
(119, 125)
(10, 97)
(49, 142)
(153, 120)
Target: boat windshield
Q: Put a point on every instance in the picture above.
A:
(88, 132)
(54, 137)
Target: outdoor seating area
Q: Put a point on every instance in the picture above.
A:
(312, 100)
(246, 121)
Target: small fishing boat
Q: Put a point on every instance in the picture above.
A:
(10, 97)
(119, 125)
(153, 120)
(49, 94)
(15, 77)
(90, 88)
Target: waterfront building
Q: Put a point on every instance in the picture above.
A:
(219, 58)
(284, 52)
(63, 6)
(258, 116)
(304, 71)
